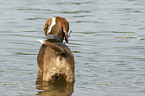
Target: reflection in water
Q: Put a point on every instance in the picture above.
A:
(53, 88)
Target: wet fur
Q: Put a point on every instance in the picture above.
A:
(55, 59)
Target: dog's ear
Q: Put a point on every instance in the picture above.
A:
(65, 27)
(45, 28)
(46, 25)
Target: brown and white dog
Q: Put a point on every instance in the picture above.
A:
(54, 57)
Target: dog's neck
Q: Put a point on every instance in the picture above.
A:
(53, 38)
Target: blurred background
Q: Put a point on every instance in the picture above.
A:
(103, 68)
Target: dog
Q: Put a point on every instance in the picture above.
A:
(55, 59)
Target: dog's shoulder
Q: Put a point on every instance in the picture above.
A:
(63, 46)
(67, 50)
(42, 47)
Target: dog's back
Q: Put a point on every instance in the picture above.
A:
(52, 63)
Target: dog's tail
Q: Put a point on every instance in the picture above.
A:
(58, 49)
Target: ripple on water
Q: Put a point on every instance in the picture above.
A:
(102, 67)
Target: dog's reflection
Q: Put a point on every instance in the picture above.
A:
(57, 87)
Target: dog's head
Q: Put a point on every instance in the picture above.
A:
(57, 26)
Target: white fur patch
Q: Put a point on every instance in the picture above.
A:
(41, 41)
(52, 24)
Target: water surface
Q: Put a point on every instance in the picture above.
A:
(103, 68)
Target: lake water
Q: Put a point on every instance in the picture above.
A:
(103, 68)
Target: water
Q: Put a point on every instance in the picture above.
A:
(103, 68)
